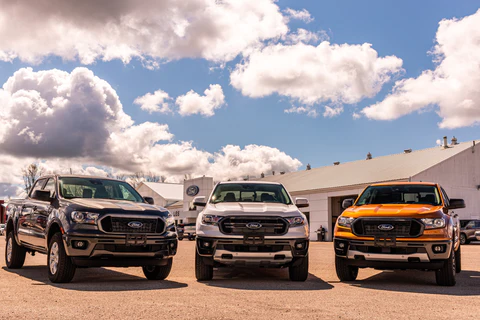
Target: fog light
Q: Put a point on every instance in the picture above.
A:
(172, 245)
(438, 248)
(299, 245)
(206, 244)
(341, 245)
(79, 244)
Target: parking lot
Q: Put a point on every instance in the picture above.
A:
(110, 293)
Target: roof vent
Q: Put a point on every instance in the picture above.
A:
(407, 151)
(454, 141)
(273, 172)
(336, 163)
(309, 167)
(282, 172)
(262, 175)
(369, 156)
(445, 143)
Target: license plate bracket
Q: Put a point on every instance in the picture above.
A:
(136, 240)
(385, 241)
(254, 240)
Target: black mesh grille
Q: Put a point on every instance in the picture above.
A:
(239, 226)
(401, 227)
(120, 225)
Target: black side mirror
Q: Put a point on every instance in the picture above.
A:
(149, 200)
(456, 204)
(200, 201)
(41, 195)
(347, 203)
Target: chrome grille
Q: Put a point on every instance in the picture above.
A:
(238, 226)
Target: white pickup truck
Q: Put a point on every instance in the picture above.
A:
(251, 224)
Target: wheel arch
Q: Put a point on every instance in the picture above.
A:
(54, 228)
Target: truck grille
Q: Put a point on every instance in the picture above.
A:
(120, 225)
(401, 227)
(239, 226)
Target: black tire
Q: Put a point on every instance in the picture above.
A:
(203, 272)
(458, 260)
(299, 272)
(14, 254)
(191, 238)
(345, 272)
(65, 269)
(180, 239)
(158, 272)
(463, 238)
(446, 275)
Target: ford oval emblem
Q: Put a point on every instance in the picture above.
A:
(386, 227)
(253, 225)
(135, 224)
(192, 191)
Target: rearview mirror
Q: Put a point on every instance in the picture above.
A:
(199, 201)
(347, 203)
(301, 202)
(149, 200)
(42, 195)
(456, 204)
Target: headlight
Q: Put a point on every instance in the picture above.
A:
(295, 221)
(210, 219)
(345, 221)
(433, 223)
(84, 217)
(169, 220)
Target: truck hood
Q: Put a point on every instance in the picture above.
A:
(246, 209)
(114, 205)
(391, 210)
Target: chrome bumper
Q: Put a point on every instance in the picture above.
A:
(352, 254)
(230, 257)
(477, 235)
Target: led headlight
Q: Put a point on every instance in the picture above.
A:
(295, 221)
(169, 220)
(433, 223)
(345, 221)
(84, 217)
(211, 219)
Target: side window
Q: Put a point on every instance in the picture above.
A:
(445, 198)
(50, 186)
(37, 186)
(470, 225)
(477, 224)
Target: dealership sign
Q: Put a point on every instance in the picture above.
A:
(192, 191)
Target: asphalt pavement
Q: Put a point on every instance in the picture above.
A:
(124, 293)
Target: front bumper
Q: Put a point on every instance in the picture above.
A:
(477, 235)
(118, 250)
(238, 252)
(393, 254)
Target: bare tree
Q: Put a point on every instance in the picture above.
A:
(30, 174)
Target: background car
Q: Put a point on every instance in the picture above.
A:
(468, 229)
(2, 229)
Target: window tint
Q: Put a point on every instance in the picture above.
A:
(50, 186)
(38, 186)
(400, 194)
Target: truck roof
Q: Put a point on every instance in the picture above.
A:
(404, 183)
(252, 182)
(76, 176)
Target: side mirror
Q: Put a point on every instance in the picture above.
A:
(199, 201)
(42, 195)
(301, 202)
(347, 203)
(456, 204)
(149, 200)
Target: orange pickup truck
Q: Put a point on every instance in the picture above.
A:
(408, 225)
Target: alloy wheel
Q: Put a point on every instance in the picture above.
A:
(9, 249)
(53, 258)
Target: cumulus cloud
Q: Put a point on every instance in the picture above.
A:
(451, 88)
(193, 103)
(302, 15)
(314, 74)
(149, 30)
(156, 102)
(75, 121)
(333, 111)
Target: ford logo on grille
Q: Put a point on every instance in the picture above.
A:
(254, 225)
(135, 224)
(386, 227)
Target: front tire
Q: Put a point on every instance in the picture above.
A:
(14, 254)
(60, 266)
(458, 260)
(158, 272)
(299, 272)
(345, 272)
(446, 275)
(463, 238)
(203, 272)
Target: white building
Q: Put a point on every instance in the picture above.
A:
(456, 167)
(164, 194)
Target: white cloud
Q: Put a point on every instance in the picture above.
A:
(313, 74)
(193, 103)
(156, 102)
(331, 112)
(75, 121)
(303, 15)
(309, 110)
(149, 30)
(356, 116)
(305, 36)
(451, 89)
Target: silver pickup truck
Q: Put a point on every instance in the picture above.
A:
(253, 224)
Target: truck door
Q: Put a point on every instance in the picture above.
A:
(40, 212)
(25, 220)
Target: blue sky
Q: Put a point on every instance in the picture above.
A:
(405, 29)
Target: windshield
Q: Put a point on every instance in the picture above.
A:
(400, 194)
(98, 189)
(250, 192)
